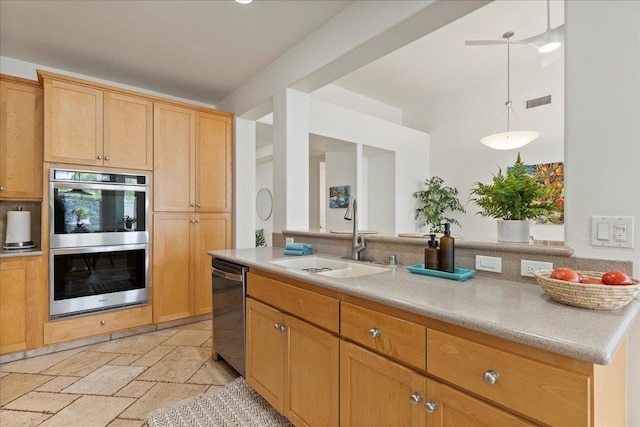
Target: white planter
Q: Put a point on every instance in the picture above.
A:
(513, 231)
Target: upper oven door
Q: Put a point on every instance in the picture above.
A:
(88, 214)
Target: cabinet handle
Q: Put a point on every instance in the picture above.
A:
(106, 158)
(283, 328)
(192, 221)
(103, 322)
(415, 398)
(99, 157)
(374, 332)
(1, 188)
(193, 205)
(431, 406)
(197, 221)
(197, 205)
(277, 326)
(491, 377)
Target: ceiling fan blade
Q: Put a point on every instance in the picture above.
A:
(490, 42)
(549, 58)
(551, 35)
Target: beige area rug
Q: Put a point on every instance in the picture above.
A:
(235, 405)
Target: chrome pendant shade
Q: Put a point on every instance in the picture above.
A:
(510, 139)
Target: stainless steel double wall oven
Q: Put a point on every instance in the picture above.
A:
(99, 241)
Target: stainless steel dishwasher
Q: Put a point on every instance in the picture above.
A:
(229, 290)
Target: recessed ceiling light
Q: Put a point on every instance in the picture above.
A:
(243, 1)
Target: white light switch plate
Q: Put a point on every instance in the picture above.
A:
(613, 231)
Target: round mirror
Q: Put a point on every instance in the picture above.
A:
(264, 204)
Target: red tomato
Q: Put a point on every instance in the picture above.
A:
(616, 277)
(566, 274)
(589, 281)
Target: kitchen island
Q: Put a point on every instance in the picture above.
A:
(559, 365)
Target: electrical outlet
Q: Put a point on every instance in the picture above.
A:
(288, 240)
(527, 268)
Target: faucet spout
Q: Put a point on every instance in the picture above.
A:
(357, 242)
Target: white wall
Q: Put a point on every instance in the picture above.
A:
(602, 149)
(411, 148)
(457, 121)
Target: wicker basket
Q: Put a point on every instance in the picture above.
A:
(597, 297)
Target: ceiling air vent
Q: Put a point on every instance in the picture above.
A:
(544, 100)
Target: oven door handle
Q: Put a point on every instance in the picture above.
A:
(226, 275)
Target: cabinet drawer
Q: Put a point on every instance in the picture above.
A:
(397, 338)
(551, 395)
(96, 324)
(314, 308)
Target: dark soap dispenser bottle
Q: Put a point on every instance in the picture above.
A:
(432, 254)
(447, 250)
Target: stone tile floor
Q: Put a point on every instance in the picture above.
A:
(113, 383)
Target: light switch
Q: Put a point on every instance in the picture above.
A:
(620, 232)
(613, 231)
(603, 231)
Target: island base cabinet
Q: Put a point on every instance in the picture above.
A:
(375, 391)
(448, 407)
(293, 365)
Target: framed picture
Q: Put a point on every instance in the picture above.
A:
(551, 175)
(340, 196)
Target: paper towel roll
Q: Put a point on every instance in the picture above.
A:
(18, 227)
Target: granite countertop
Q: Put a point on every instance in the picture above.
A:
(514, 311)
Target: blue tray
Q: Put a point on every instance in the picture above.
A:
(459, 274)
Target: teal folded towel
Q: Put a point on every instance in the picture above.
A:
(298, 249)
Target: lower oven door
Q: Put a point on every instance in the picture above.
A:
(96, 278)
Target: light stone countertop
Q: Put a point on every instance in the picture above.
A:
(514, 311)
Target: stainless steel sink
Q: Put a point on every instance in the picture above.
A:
(329, 267)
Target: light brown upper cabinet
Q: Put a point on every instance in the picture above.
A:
(20, 139)
(192, 160)
(87, 125)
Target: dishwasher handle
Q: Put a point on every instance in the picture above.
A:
(226, 275)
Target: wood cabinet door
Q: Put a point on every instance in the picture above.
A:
(172, 266)
(20, 140)
(214, 162)
(311, 389)
(73, 123)
(377, 392)
(14, 279)
(173, 154)
(128, 131)
(265, 352)
(453, 408)
(212, 232)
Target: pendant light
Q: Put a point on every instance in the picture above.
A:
(510, 139)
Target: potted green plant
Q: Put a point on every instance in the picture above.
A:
(435, 200)
(513, 198)
(128, 222)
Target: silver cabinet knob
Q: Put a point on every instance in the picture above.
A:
(1, 187)
(99, 157)
(197, 221)
(103, 322)
(277, 326)
(415, 398)
(106, 158)
(193, 205)
(283, 328)
(197, 205)
(192, 221)
(374, 332)
(491, 377)
(431, 406)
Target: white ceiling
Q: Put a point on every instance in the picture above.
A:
(204, 50)
(198, 50)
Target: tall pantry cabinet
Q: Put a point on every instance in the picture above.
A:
(192, 202)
